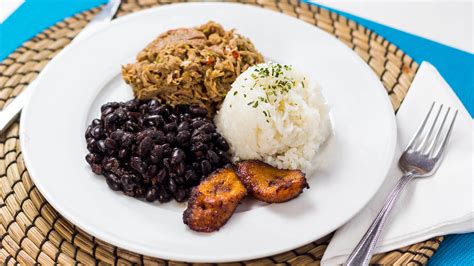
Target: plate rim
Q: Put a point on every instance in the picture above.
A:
(176, 255)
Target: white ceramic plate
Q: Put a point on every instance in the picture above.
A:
(71, 89)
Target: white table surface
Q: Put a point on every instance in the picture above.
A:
(416, 17)
(447, 22)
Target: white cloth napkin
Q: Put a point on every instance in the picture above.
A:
(432, 206)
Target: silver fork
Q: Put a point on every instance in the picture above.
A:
(421, 158)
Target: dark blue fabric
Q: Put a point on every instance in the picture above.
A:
(456, 66)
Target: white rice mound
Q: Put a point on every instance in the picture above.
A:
(286, 130)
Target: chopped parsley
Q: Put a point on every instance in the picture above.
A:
(281, 84)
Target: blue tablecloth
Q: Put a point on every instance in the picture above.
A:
(456, 66)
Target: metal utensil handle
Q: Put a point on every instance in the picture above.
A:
(99, 20)
(365, 248)
(11, 112)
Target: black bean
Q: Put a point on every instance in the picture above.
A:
(152, 194)
(92, 145)
(139, 192)
(190, 175)
(90, 141)
(211, 145)
(180, 168)
(206, 167)
(172, 118)
(117, 135)
(131, 126)
(131, 105)
(201, 137)
(171, 138)
(180, 195)
(166, 149)
(110, 164)
(183, 137)
(213, 157)
(179, 180)
(113, 181)
(110, 119)
(97, 169)
(222, 144)
(127, 139)
(134, 116)
(186, 117)
(177, 156)
(162, 175)
(139, 136)
(166, 163)
(90, 158)
(88, 131)
(121, 113)
(160, 137)
(144, 108)
(145, 146)
(197, 123)
(138, 165)
(196, 166)
(201, 147)
(183, 126)
(107, 105)
(221, 153)
(198, 111)
(170, 127)
(97, 132)
(196, 138)
(199, 154)
(164, 196)
(162, 110)
(160, 121)
(97, 158)
(172, 185)
(153, 104)
(107, 111)
(156, 154)
(128, 182)
(152, 170)
(101, 145)
(122, 154)
(110, 144)
(154, 120)
(207, 127)
(96, 122)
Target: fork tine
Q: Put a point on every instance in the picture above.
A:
(419, 130)
(445, 140)
(430, 149)
(425, 140)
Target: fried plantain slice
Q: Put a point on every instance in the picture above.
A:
(270, 184)
(214, 200)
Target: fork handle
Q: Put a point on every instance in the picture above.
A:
(364, 250)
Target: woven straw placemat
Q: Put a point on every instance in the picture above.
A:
(31, 231)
